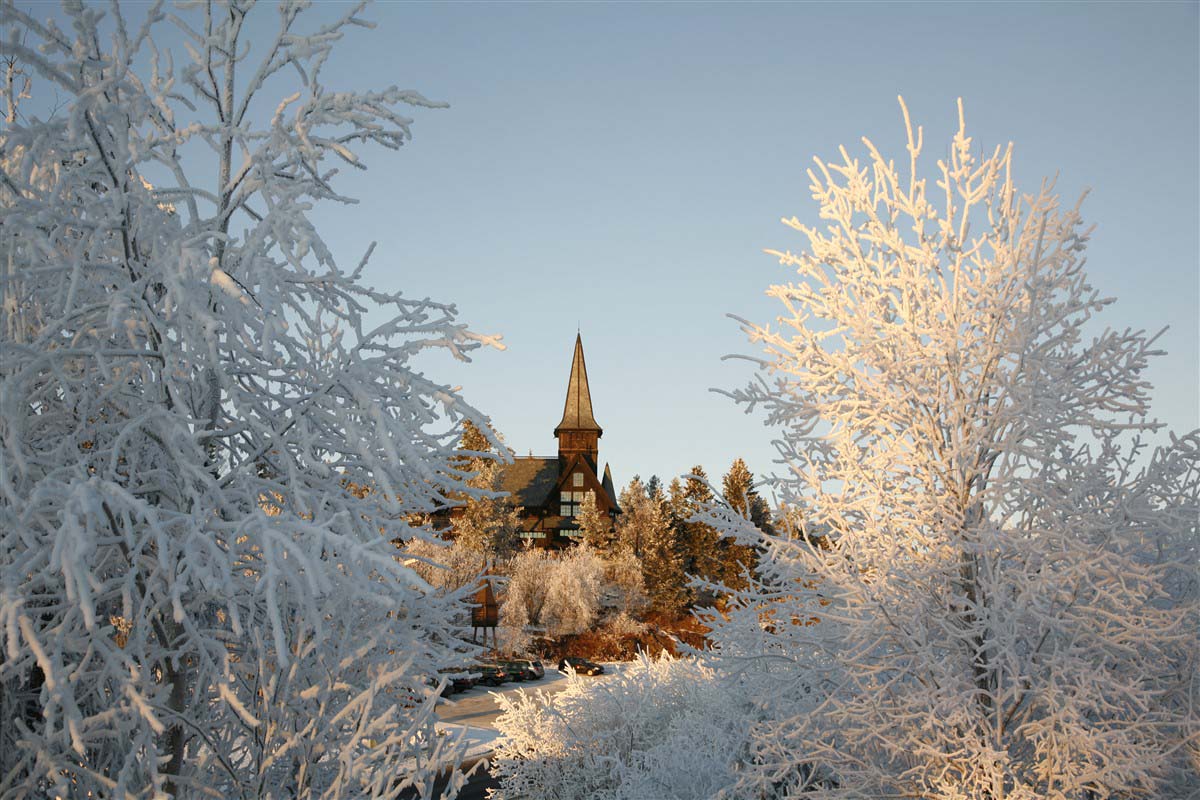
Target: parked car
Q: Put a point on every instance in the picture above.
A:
(532, 668)
(491, 674)
(457, 681)
(515, 669)
(581, 665)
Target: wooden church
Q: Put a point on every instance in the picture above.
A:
(549, 491)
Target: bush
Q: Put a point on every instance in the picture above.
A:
(663, 728)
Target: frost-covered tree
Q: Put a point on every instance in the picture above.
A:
(626, 584)
(705, 552)
(196, 594)
(631, 525)
(662, 552)
(742, 497)
(485, 520)
(741, 494)
(1003, 603)
(525, 591)
(647, 531)
(595, 527)
(666, 729)
(446, 566)
(573, 590)
(487, 523)
(559, 593)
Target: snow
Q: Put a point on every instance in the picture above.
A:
(994, 604)
(210, 433)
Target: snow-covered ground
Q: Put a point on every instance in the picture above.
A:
(477, 707)
(474, 712)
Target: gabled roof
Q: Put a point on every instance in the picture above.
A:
(529, 480)
(577, 411)
(609, 489)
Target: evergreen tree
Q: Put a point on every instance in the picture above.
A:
(595, 527)
(700, 542)
(487, 521)
(653, 486)
(646, 528)
(474, 440)
(632, 523)
(741, 496)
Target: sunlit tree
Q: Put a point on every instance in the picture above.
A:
(663, 553)
(1002, 603)
(738, 489)
(595, 527)
(484, 520)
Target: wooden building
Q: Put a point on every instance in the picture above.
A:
(549, 491)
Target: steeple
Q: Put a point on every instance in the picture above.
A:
(577, 412)
(578, 431)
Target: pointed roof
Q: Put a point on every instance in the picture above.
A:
(609, 489)
(577, 412)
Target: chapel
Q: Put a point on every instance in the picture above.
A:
(549, 490)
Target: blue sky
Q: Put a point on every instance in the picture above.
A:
(621, 168)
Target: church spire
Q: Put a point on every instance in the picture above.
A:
(577, 411)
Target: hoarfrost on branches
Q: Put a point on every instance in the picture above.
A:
(486, 521)
(573, 589)
(995, 596)
(594, 526)
(666, 729)
(205, 450)
(560, 593)
(646, 529)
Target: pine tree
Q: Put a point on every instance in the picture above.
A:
(475, 440)
(700, 541)
(595, 527)
(743, 499)
(653, 486)
(740, 494)
(662, 556)
(485, 521)
(645, 529)
(630, 526)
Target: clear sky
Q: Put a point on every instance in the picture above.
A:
(619, 168)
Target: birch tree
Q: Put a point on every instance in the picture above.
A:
(1002, 602)
(196, 598)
